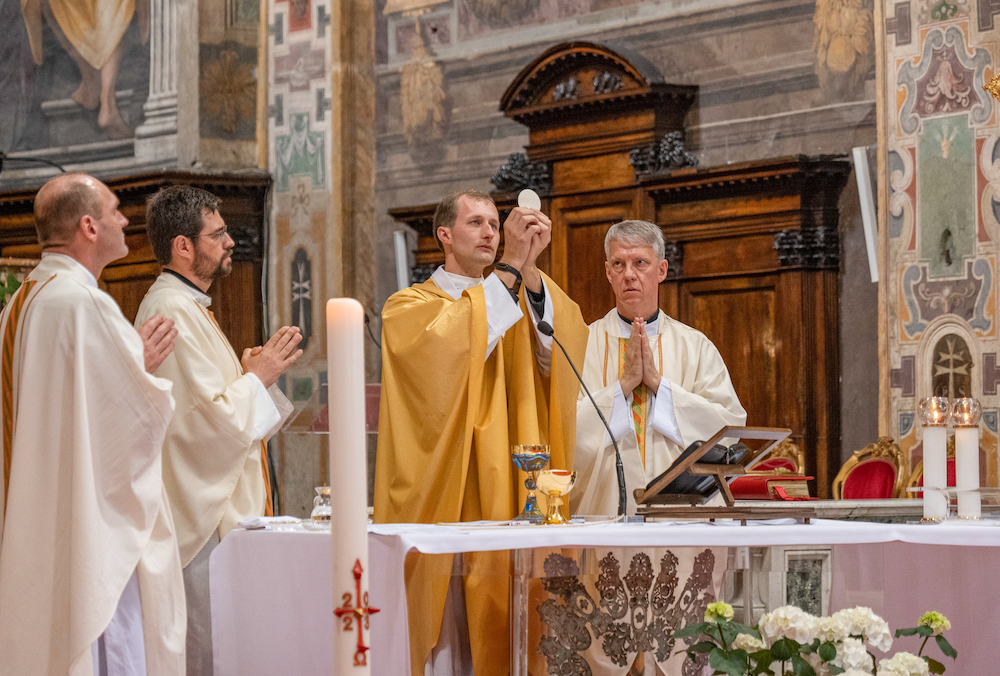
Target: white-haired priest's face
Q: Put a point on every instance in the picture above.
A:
(635, 274)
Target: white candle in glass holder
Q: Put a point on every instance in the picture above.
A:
(965, 416)
(348, 484)
(934, 415)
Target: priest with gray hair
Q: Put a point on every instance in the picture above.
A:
(659, 392)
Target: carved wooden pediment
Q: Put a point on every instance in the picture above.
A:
(580, 75)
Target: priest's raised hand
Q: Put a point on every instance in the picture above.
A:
(270, 360)
(158, 336)
(526, 234)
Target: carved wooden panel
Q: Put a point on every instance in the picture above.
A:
(579, 224)
(739, 315)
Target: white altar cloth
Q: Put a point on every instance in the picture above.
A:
(272, 596)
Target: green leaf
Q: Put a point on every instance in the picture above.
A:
(834, 670)
(907, 632)
(828, 651)
(801, 668)
(763, 660)
(744, 629)
(924, 630)
(691, 630)
(729, 633)
(945, 646)
(702, 647)
(733, 663)
(784, 649)
(934, 666)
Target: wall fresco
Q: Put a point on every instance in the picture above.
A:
(942, 218)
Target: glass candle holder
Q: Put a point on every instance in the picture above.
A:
(965, 415)
(934, 411)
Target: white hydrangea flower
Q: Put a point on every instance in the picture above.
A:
(834, 628)
(749, 643)
(861, 621)
(878, 634)
(788, 622)
(856, 672)
(851, 654)
(903, 664)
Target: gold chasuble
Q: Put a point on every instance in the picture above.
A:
(448, 416)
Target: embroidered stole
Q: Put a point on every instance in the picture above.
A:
(19, 303)
(640, 395)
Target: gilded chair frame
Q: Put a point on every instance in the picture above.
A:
(787, 450)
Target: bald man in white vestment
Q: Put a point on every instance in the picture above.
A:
(214, 455)
(659, 394)
(90, 577)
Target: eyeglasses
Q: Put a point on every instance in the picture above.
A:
(218, 235)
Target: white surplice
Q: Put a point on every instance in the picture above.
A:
(82, 507)
(694, 401)
(212, 462)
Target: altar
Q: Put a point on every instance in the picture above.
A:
(272, 598)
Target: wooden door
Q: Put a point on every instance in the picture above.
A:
(739, 315)
(579, 224)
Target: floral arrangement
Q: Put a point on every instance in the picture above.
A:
(791, 641)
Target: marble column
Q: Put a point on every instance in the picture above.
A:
(171, 109)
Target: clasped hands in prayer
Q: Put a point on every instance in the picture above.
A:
(526, 234)
(270, 360)
(639, 365)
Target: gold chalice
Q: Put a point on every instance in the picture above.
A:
(530, 458)
(555, 483)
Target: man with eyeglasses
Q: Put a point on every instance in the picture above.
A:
(214, 454)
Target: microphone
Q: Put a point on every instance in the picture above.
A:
(546, 329)
(370, 334)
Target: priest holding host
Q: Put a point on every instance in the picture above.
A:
(466, 373)
(90, 577)
(214, 455)
(661, 384)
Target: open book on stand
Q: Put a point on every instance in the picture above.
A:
(706, 469)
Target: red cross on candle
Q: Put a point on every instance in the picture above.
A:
(356, 613)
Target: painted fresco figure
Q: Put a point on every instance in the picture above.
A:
(91, 33)
(661, 383)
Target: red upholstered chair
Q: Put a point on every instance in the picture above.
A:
(785, 456)
(876, 471)
(917, 478)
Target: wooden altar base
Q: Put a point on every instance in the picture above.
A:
(742, 513)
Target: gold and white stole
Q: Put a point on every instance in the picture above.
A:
(18, 305)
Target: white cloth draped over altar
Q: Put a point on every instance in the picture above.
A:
(900, 566)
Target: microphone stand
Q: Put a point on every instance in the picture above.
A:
(547, 330)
